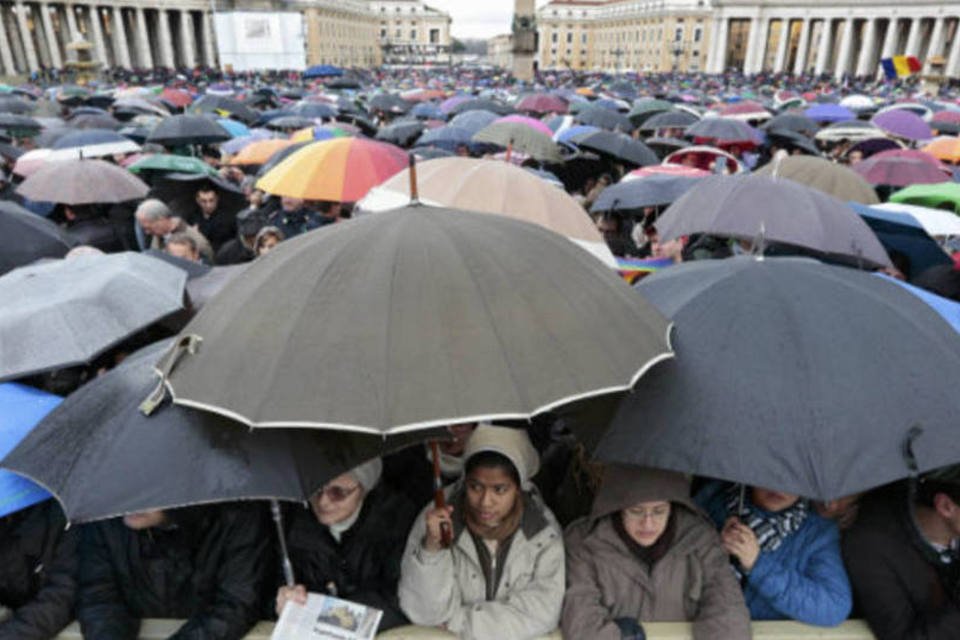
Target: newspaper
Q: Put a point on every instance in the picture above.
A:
(327, 618)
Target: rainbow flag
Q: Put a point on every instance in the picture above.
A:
(633, 269)
(900, 66)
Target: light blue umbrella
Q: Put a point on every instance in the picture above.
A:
(234, 127)
(21, 408)
(948, 309)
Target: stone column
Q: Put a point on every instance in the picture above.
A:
(846, 42)
(93, 13)
(953, 61)
(51, 36)
(800, 64)
(752, 45)
(121, 47)
(187, 39)
(826, 42)
(7, 64)
(760, 50)
(72, 30)
(936, 43)
(913, 38)
(719, 62)
(31, 51)
(144, 57)
(781, 59)
(866, 59)
(209, 52)
(166, 41)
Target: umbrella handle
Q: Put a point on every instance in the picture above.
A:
(446, 535)
(285, 555)
(414, 190)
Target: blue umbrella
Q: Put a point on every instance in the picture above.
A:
(322, 71)
(448, 137)
(428, 111)
(234, 127)
(901, 233)
(568, 134)
(316, 110)
(21, 408)
(829, 112)
(948, 309)
(474, 120)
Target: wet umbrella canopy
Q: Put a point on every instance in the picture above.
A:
(25, 237)
(77, 182)
(811, 409)
(186, 129)
(443, 317)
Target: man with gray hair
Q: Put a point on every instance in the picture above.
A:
(156, 220)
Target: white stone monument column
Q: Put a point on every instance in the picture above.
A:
(55, 59)
(953, 61)
(826, 43)
(752, 45)
(913, 39)
(803, 46)
(781, 58)
(719, 62)
(144, 56)
(844, 55)
(936, 43)
(209, 53)
(187, 39)
(93, 13)
(867, 59)
(26, 38)
(71, 13)
(166, 41)
(8, 65)
(121, 46)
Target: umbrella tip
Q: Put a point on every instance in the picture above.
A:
(414, 192)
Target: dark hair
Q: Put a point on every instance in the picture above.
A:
(945, 481)
(493, 460)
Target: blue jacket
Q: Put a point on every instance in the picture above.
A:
(804, 579)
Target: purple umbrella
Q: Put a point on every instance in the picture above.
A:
(946, 121)
(542, 103)
(898, 170)
(533, 123)
(903, 124)
(450, 104)
(829, 112)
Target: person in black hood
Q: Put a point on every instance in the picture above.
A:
(38, 561)
(203, 564)
(349, 543)
(903, 558)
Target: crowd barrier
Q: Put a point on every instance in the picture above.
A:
(850, 630)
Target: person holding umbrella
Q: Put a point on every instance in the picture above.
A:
(350, 543)
(502, 573)
(647, 553)
(786, 555)
(206, 564)
(903, 555)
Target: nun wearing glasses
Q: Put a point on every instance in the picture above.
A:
(646, 553)
(349, 543)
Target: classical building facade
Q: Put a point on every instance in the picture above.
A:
(500, 51)
(412, 32)
(341, 32)
(644, 35)
(841, 37)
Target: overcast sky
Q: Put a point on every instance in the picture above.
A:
(478, 18)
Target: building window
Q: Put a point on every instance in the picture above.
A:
(583, 38)
(434, 36)
(413, 34)
(569, 37)
(383, 33)
(399, 33)
(553, 37)
(697, 34)
(678, 35)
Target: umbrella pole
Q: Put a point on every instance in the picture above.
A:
(509, 151)
(414, 190)
(438, 498)
(285, 559)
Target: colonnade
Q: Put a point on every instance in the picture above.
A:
(132, 35)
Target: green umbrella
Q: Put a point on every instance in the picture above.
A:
(411, 319)
(521, 138)
(169, 163)
(943, 195)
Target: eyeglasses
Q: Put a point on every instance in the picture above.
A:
(656, 513)
(336, 493)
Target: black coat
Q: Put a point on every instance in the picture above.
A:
(234, 252)
(410, 472)
(898, 590)
(97, 232)
(209, 569)
(364, 566)
(219, 228)
(38, 562)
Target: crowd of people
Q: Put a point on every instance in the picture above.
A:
(530, 536)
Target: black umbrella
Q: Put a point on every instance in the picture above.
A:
(366, 126)
(26, 237)
(723, 130)
(669, 119)
(752, 207)
(179, 191)
(793, 140)
(70, 311)
(605, 119)
(665, 146)
(224, 107)
(402, 134)
(619, 146)
(792, 375)
(943, 280)
(389, 103)
(10, 104)
(632, 196)
(95, 121)
(480, 104)
(290, 122)
(792, 122)
(187, 129)
(316, 110)
(101, 457)
(18, 122)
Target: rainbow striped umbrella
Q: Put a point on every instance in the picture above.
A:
(633, 269)
(340, 170)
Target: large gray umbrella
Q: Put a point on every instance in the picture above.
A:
(187, 129)
(76, 182)
(779, 210)
(793, 375)
(425, 317)
(101, 457)
(67, 312)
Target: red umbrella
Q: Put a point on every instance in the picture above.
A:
(667, 169)
(176, 97)
(746, 110)
(899, 169)
(542, 103)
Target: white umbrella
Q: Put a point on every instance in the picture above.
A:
(936, 222)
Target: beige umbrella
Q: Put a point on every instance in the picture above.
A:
(829, 177)
(489, 186)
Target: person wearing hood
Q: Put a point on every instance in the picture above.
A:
(349, 543)
(786, 555)
(646, 553)
(502, 575)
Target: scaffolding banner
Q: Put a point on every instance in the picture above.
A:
(252, 40)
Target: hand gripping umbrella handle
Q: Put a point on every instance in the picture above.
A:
(446, 535)
(285, 559)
